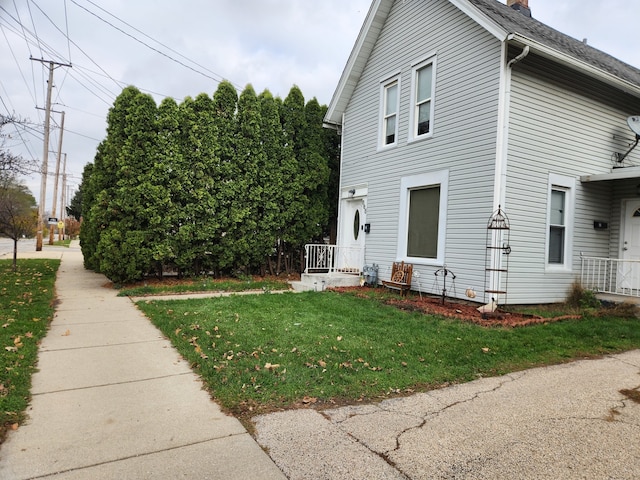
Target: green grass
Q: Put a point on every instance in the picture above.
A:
(204, 285)
(262, 352)
(62, 243)
(26, 308)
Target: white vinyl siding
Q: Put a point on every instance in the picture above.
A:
(466, 87)
(545, 136)
(422, 99)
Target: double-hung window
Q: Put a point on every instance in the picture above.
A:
(390, 91)
(559, 226)
(422, 93)
(423, 215)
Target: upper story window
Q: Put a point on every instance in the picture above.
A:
(422, 93)
(390, 91)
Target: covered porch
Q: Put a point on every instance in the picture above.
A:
(611, 278)
(614, 276)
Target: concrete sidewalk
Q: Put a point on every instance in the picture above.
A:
(113, 400)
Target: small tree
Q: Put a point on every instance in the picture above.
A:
(18, 214)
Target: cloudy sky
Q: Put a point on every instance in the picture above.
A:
(182, 48)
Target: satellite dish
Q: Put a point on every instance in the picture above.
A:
(634, 124)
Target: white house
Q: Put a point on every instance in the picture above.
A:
(452, 109)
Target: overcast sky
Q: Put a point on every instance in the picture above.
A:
(272, 44)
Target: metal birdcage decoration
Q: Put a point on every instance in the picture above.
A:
(498, 249)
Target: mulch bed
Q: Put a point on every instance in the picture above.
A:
(453, 308)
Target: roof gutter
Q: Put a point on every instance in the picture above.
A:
(579, 65)
(523, 54)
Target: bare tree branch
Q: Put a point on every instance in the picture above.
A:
(12, 165)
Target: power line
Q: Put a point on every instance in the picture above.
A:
(17, 63)
(217, 80)
(34, 27)
(66, 23)
(221, 77)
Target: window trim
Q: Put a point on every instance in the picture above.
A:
(384, 86)
(413, 182)
(413, 115)
(568, 186)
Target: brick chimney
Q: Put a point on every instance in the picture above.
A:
(521, 6)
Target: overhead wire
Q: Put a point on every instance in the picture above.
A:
(17, 63)
(38, 45)
(217, 80)
(66, 23)
(220, 77)
(32, 66)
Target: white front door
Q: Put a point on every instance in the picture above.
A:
(352, 235)
(629, 270)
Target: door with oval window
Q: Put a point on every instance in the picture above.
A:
(352, 236)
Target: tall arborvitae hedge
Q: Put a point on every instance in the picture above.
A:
(224, 184)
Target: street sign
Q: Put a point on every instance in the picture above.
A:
(53, 220)
(60, 225)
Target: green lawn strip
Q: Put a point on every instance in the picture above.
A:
(26, 308)
(62, 243)
(269, 351)
(205, 285)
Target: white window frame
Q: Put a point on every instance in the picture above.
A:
(407, 184)
(384, 86)
(413, 114)
(568, 186)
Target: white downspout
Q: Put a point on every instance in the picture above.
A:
(499, 197)
(502, 148)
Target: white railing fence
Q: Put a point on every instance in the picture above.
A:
(321, 258)
(611, 275)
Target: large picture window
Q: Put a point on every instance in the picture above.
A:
(390, 91)
(423, 214)
(424, 210)
(422, 93)
(559, 226)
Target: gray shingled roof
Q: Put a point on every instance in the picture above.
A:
(517, 23)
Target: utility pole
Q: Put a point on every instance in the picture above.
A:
(45, 152)
(55, 181)
(63, 198)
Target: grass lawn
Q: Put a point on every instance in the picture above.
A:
(61, 243)
(258, 353)
(205, 284)
(26, 308)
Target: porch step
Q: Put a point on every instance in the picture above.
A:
(321, 281)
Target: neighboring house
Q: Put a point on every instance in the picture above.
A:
(450, 109)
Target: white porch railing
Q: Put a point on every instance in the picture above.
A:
(611, 275)
(320, 258)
